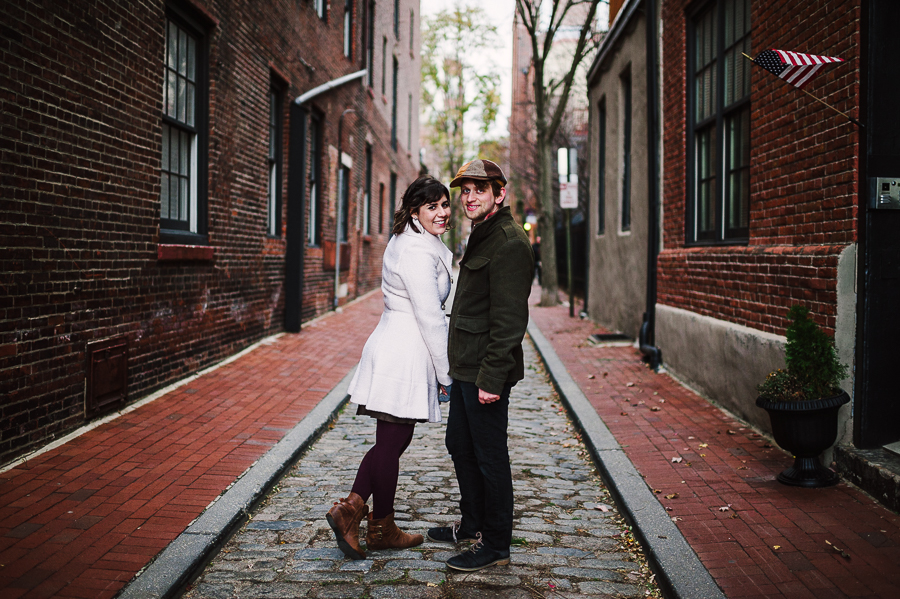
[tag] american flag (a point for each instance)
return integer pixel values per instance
(794, 67)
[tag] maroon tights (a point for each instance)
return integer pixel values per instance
(378, 472)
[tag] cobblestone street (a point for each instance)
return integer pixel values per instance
(567, 536)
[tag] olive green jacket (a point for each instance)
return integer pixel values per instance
(490, 308)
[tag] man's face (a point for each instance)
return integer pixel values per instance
(478, 199)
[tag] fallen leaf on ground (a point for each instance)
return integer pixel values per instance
(629, 384)
(676, 460)
(725, 508)
(690, 437)
(661, 400)
(676, 518)
(731, 432)
(605, 374)
(590, 376)
(776, 546)
(602, 508)
(843, 553)
(655, 409)
(657, 491)
(703, 445)
(702, 455)
(672, 496)
(624, 413)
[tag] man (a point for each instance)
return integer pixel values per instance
(487, 324)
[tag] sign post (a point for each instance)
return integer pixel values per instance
(568, 199)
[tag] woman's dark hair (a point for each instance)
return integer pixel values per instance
(424, 190)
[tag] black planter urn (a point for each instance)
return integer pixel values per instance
(806, 429)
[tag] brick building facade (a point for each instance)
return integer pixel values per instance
(165, 200)
(756, 200)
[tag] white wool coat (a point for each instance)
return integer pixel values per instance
(405, 357)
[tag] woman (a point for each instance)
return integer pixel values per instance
(403, 364)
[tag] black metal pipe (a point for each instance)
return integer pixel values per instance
(648, 328)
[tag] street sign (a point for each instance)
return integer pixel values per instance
(568, 195)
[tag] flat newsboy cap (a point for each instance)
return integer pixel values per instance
(479, 169)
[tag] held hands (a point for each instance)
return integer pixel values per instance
(486, 398)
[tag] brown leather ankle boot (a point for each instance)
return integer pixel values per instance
(344, 519)
(384, 534)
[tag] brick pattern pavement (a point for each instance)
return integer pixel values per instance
(772, 541)
(81, 520)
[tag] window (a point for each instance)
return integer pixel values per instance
(719, 124)
(412, 29)
(348, 28)
(315, 188)
(394, 73)
(601, 167)
(367, 208)
(392, 198)
(320, 8)
(397, 19)
(625, 80)
(384, 67)
(370, 44)
(409, 125)
(381, 207)
(183, 152)
(275, 160)
(344, 197)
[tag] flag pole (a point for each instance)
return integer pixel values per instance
(850, 118)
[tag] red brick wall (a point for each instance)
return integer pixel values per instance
(803, 174)
(80, 140)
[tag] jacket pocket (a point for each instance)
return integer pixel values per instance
(474, 277)
(471, 334)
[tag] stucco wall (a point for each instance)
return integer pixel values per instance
(618, 273)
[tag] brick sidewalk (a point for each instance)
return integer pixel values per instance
(773, 541)
(82, 519)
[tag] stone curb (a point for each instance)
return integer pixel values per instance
(191, 550)
(678, 570)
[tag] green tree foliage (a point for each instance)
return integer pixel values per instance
(813, 369)
(459, 88)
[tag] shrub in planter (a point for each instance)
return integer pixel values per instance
(803, 400)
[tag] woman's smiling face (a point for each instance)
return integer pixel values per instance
(434, 216)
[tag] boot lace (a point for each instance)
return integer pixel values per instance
(477, 545)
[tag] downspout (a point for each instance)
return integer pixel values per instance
(296, 226)
(307, 96)
(648, 328)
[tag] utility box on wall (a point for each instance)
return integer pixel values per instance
(107, 375)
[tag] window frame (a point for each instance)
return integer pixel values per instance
(601, 177)
(275, 160)
(720, 172)
(370, 43)
(313, 168)
(395, 71)
(192, 230)
(348, 29)
(321, 9)
(627, 108)
(367, 206)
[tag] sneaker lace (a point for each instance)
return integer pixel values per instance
(453, 530)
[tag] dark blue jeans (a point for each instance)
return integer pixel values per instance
(477, 442)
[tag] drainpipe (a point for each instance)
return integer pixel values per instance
(307, 96)
(648, 328)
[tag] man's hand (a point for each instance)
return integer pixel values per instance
(486, 398)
